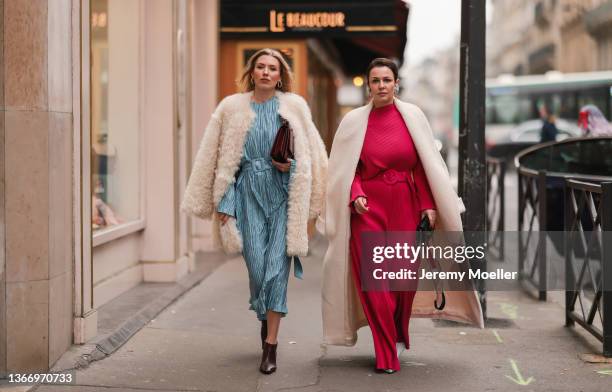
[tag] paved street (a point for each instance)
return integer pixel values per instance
(208, 341)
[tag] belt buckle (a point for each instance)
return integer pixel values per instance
(259, 164)
(390, 176)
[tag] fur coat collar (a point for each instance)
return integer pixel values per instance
(218, 160)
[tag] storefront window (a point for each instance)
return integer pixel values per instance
(115, 124)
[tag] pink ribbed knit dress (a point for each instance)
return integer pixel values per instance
(392, 178)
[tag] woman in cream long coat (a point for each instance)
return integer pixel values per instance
(343, 314)
(259, 206)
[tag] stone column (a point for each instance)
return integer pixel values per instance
(2, 218)
(36, 209)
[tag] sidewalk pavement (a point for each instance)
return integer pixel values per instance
(208, 341)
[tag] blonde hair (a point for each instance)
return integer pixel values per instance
(246, 81)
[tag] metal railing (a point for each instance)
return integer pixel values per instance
(496, 206)
(534, 222)
(588, 259)
(532, 219)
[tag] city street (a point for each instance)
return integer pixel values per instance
(127, 125)
(209, 341)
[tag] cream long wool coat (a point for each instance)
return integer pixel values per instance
(218, 160)
(342, 309)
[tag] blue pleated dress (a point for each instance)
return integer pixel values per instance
(258, 200)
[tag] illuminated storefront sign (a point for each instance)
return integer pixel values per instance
(281, 20)
(255, 18)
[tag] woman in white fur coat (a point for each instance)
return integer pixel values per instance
(259, 206)
(385, 175)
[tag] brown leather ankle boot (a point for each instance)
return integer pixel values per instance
(268, 358)
(264, 332)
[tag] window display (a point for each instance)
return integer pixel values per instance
(115, 124)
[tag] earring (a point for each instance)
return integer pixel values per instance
(279, 84)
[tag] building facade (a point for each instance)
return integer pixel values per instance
(104, 102)
(533, 37)
(505, 45)
(433, 85)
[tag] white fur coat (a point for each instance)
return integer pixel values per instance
(218, 160)
(342, 310)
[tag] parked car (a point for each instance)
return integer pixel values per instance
(506, 143)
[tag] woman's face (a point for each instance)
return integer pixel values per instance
(382, 85)
(266, 72)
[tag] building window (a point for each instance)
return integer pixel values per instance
(115, 113)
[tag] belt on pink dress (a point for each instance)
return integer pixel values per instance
(392, 176)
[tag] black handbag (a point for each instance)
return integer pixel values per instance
(424, 232)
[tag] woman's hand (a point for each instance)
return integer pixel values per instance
(361, 205)
(284, 167)
(223, 217)
(431, 215)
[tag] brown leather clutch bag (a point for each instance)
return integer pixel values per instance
(282, 148)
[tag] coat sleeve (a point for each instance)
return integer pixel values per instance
(227, 205)
(318, 154)
(198, 197)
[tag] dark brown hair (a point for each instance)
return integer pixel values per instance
(246, 82)
(382, 62)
